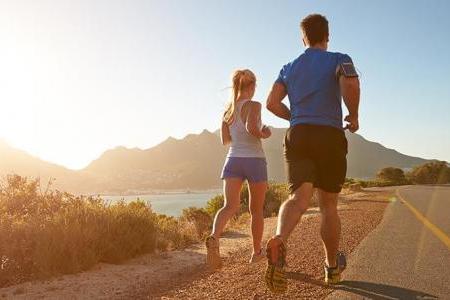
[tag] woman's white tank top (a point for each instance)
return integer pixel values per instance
(243, 144)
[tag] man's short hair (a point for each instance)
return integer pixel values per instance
(315, 28)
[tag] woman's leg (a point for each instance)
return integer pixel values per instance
(232, 191)
(257, 196)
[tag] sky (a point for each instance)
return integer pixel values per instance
(80, 77)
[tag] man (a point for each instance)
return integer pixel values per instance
(315, 146)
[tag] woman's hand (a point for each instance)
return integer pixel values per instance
(265, 132)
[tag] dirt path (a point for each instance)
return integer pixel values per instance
(238, 280)
(182, 274)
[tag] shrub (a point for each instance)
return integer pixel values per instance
(430, 173)
(171, 233)
(55, 232)
(132, 228)
(199, 219)
(276, 194)
(393, 176)
(214, 204)
(237, 223)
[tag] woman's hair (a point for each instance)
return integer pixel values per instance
(241, 80)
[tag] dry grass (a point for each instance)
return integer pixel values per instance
(48, 233)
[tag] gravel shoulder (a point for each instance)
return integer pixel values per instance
(183, 275)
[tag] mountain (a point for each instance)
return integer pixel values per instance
(195, 162)
(14, 161)
(190, 163)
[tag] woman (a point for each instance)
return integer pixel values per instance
(242, 128)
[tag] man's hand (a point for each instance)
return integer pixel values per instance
(353, 123)
(265, 132)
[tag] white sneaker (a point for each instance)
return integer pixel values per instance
(257, 257)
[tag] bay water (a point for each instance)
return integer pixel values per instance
(171, 204)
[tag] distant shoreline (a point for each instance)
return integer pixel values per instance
(159, 192)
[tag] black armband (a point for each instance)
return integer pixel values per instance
(347, 69)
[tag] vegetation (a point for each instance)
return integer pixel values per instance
(431, 173)
(437, 172)
(393, 176)
(51, 232)
(172, 235)
(275, 195)
(198, 220)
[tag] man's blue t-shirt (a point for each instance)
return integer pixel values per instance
(313, 87)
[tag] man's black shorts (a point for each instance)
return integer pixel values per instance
(315, 154)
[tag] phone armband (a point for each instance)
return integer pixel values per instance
(347, 69)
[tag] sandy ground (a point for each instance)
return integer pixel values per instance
(182, 274)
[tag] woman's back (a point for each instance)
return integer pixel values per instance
(243, 144)
(241, 127)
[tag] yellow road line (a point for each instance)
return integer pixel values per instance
(434, 229)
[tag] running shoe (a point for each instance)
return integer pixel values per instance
(333, 275)
(275, 276)
(213, 259)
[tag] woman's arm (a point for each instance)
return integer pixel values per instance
(253, 121)
(225, 135)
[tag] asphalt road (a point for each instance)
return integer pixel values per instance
(408, 255)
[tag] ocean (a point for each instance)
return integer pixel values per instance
(171, 204)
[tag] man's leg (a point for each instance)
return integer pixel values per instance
(290, 213)
(330, 228)
(300, 169)
(292, 210)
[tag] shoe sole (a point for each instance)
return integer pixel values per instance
(342, 263)
(213, 259)
(275, 276)
(335, 280)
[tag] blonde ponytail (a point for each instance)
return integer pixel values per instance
(241, 79)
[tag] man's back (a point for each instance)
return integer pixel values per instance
(313, 87)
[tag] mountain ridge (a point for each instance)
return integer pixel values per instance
(192, 162)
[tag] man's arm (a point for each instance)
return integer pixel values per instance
(274, 103)
(350, 93)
